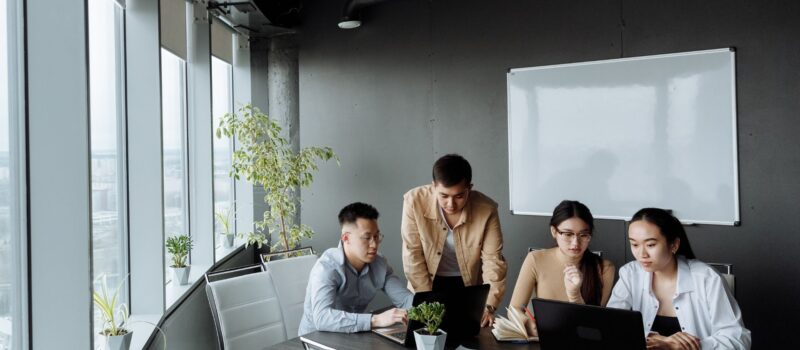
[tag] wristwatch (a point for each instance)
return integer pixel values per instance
(490, 309)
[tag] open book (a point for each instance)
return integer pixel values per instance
(513, 327)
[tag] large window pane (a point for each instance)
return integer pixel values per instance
(107, 115)
(223, 184)
(173, 102)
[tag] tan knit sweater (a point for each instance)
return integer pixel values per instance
(542, 276)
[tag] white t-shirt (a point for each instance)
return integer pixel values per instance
(448, 266)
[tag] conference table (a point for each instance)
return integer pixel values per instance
(369, 340)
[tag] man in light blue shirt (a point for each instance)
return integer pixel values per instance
(346, 278)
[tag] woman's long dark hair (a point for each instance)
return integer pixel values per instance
(670, 227)
(590, 264)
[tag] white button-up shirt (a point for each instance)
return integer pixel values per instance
(704, 305)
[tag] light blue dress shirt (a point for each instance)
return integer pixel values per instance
(704, 305)
(337, 295)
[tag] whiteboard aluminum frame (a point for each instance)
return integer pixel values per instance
(734, 128)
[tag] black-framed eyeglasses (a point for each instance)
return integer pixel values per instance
(569, 236)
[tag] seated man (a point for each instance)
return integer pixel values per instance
(345, 279)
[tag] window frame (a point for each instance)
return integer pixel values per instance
(18, 191)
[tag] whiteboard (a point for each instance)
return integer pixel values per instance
(623, 134)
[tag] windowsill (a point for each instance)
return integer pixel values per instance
(220, 252)
(142, 327)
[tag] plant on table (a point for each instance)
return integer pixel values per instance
(429, 314)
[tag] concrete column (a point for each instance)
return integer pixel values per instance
(284, 93)
(283, 87)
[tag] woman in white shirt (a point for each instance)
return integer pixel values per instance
(685, 304)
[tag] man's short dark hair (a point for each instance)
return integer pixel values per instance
(451, 170)
(353, 211)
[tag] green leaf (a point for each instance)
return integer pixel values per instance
(430, 314)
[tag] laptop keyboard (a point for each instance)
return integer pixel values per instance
(398, 335)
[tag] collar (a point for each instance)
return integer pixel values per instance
(685, 281)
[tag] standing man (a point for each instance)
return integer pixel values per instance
(451, 235)
(346, 278)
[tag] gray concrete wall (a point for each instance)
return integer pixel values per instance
(423, 78)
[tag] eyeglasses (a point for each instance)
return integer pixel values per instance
(377, 238)
(569, 236)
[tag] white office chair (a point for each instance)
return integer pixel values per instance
(290, 277)
(726, 270)
(245, 309)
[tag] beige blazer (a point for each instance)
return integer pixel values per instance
(477, 236)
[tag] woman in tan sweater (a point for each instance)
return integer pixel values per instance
(567, 272)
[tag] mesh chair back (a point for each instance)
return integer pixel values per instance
(247, 312)
(291, 279)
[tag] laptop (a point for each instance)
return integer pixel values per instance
(462, 316)
(574, 326)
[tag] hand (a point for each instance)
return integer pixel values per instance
(573, 279)
(488, 319)
(389, 317)
(530, 326)
(677, 341)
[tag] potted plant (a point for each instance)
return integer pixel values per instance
(179, 247)
(224, 220)
(116, 335)
(114, 315)
(429, 337)
(266, 158)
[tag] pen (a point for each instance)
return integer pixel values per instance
(529, 314)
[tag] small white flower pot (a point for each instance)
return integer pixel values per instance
(430, 342)
(117, 342)
(227, 242)
(181, 275)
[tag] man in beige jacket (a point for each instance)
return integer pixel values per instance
(451, 235)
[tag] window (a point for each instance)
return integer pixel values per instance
(221, 91)
(12, 235)
(106, 107)
(173, 104)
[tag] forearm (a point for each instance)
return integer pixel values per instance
(494, 273)
(332, 320)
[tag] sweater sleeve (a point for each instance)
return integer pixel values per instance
(526, 283)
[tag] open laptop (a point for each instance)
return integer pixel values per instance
(574, 326)
(462, 315)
